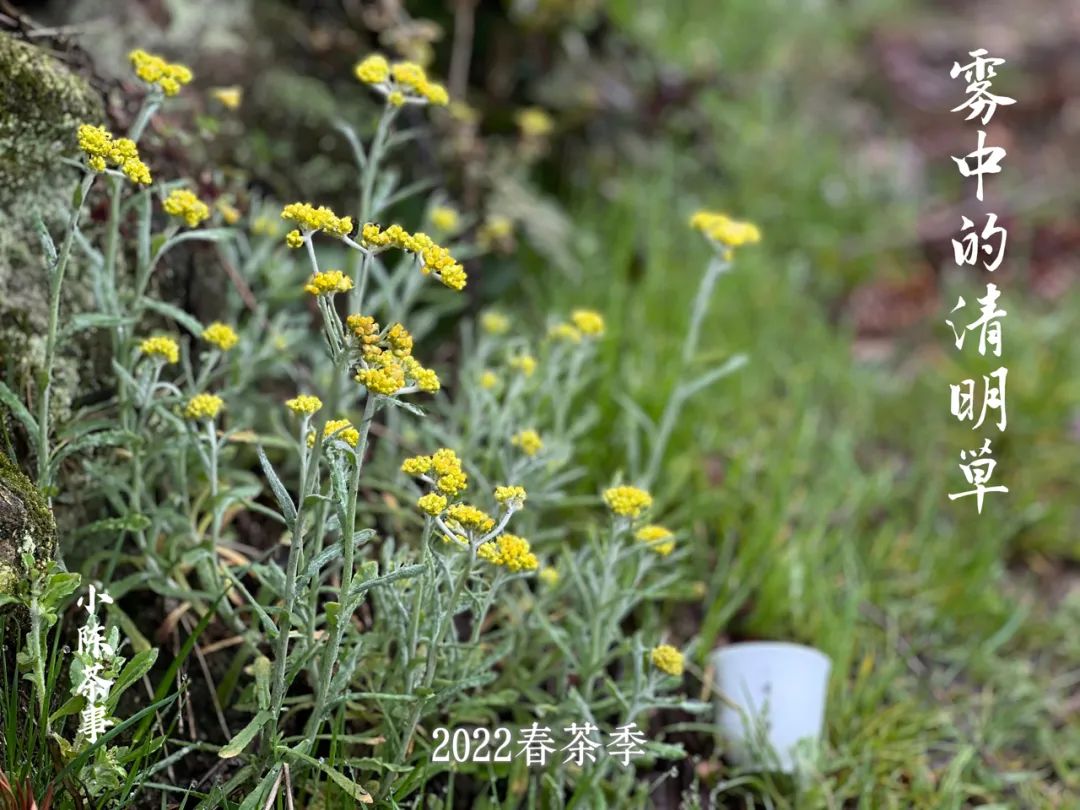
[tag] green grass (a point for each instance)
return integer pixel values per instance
(817, 483)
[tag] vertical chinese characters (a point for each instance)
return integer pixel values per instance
(970, 400)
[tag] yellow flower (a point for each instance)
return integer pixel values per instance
(528, 441)
(228, 97)
(309, 218)
(169, 76)
(564, 331)
(667, 659)
(471, 518)
(514, 497)
(589, 322)
(443, 465)
(221, 335)
(660, 540)
(723, 229)
(498, 226)
(416, 465)
(433, 257)
(494, 322)
(164, 347)
(229, 213)
(509, 551)
(303, 404)
(203, 406)
(525, 363)
(549, 576)
(627, 501)
(534, 122)
(294, 239)
(373, 69)
(100, 149)
(433, 503)
(329, 282)
(264, 225)
(339, 429)
(445, 218)
(184, 204)
(400, 82)
(449, 477)
(489, 379)
(386, 376)
(363, 327)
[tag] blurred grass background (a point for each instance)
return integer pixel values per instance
(821, 470)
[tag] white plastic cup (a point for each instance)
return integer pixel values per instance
(771, 702)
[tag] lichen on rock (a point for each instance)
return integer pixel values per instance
(42, 102)
(26, 525)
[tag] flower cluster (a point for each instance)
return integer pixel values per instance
(534, 122)
(667, 659)
(469, 518)
(442, 468)
(169, 76)
(660, 540)
(162, 347)
(510, 551)
(386, 361)
(101, 149)
(588, 322)
(511, 497)
(584, 323)
(309, 219)
(528, 441)
(445, 218)
(203, 406)
(303, 404)
(720, 228)
(525, 363)
(341, 429)
(329, 282)
(627, 501)
(229, 97)
(184, 204)
(494, 322)
(401, 82)
(433, 257)
(221, 335)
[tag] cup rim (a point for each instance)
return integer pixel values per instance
(770, 646)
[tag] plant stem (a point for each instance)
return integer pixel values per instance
(676, 401)
(56, 284)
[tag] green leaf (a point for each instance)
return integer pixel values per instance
(328, 555)
(19, 411)
(284, 500)
(244, 737)
(92, 320)
(138, 666)
(255, 799)
(341, 780)
(262, 681)
(127, 523)
(74, 705)
(187, 321)
(48, 247)
(145, 715)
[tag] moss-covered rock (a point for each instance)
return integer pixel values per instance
(26, 525)
(42, 103)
